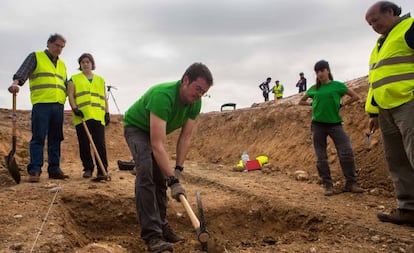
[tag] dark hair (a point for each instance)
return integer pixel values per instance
(90, 57)
(385, 6)
(55, 37)
(268, 79)
(197, 70)
(321, 65)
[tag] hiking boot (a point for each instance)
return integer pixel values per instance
(158, 245)
(328, 191)
(34, 177)
(100, 177)
(134, 171)
(170, 236)
(354, 188)
(398, 216)
(87, 174)
(58, 175)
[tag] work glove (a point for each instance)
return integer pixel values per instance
(78, 112)
(177, 171)
(107, 118)
(176, 190)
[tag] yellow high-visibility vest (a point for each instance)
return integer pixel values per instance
(391, 75)
(278, 90)
(47, 82)
(89, 98)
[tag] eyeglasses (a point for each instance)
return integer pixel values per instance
(199, 90)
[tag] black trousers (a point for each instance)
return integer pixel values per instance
(97, 131)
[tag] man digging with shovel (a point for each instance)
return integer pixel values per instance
(161, 110)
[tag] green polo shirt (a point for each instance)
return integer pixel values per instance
(162, 100)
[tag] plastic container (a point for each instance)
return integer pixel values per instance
(245, 158)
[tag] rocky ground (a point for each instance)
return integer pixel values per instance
(280, 208)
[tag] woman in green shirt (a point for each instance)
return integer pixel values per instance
(326, 96)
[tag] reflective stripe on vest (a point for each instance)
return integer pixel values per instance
(391, 75)
(89, 98)
(47, 82)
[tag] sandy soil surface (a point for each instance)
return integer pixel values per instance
(275, 209)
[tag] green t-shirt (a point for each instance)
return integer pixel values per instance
(162, 100)
(326, 101)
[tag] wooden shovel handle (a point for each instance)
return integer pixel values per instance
(98, 157)
(14, 115)
(194, 220)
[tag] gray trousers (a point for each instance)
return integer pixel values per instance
(320, 133)
(150, 186)
(397, 128)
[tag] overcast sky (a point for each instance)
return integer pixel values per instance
(139, 43)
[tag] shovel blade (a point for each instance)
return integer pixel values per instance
(12, 167)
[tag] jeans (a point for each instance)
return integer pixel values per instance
(397, 129)
(150, 186)
(47, 120)
(320, 132)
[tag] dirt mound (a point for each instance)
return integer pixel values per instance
(268, 210)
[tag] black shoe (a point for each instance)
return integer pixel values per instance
(157, 245)
(101, 178)
(398, 216)
(87, 174)
(328, 190)
(58, 175)
(170, 236)
(354, 188)
(34, 177)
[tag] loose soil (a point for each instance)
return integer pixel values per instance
(280, 208)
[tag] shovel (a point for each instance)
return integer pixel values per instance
(10, 161)
(98, 157)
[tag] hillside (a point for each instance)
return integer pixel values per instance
(268, 210)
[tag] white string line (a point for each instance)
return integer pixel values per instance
(44, 220)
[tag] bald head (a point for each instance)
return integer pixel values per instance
(383, 16)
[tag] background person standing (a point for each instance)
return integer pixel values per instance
(326, 97)
(265, 88)
(301, 84)
(278, 90)
(47, 78)
(390, 101)
(87, 97)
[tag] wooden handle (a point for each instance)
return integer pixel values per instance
(98, 157)
(14, 115)
(187, 207)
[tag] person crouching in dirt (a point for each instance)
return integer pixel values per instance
(326, 97)
(161, 110)
(87, 98)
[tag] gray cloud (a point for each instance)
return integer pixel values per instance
(139, 43)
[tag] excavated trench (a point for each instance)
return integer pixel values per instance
(237, 219)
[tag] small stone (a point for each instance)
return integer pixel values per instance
(17, 247)
(18, 216)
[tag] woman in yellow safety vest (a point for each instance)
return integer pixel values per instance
(87, 97)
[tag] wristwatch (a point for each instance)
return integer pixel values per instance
(178, 167)
(172, 180)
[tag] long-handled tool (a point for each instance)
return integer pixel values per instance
(10, 161)
(368, 137)
(98, 157)
(198, 223)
